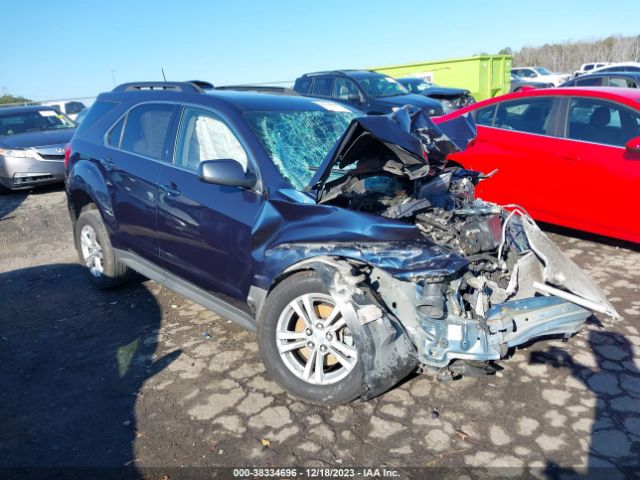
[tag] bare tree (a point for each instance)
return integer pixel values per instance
(569, 55)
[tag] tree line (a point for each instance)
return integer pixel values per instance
(569, 55)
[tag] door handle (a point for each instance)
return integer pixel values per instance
(171, 189)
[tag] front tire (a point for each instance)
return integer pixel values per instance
(305, 343)
(96, 253)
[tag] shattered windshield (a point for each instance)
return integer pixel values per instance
(298, 142)
(381, 86)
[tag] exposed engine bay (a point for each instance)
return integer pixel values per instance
(515, 284)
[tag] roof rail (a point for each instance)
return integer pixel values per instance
(276, 90)
(343, 71)
(158, 86)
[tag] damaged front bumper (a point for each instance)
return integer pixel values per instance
(400, 320)
(507, 325)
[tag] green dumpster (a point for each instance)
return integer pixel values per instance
(485, 76)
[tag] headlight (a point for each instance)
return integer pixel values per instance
(18, 153)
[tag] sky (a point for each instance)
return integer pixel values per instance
(51, 49)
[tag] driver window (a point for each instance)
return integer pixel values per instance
(345, 88)
(204, 136)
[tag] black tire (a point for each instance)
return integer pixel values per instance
(114, 273)
(342, 391)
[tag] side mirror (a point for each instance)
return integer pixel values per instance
(354, 97)
(633, 145)
(226, 172)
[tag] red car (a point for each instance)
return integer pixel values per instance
(569, 156)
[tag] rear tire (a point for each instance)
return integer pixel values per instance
(96, 253)
(324, 368)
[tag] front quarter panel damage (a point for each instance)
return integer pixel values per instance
(384, 347)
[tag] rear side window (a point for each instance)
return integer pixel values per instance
(589, 82)
(532, 115)
(98, 110)
(484, 116)
(621, 82)
(145, 130)
(323, 86)
(601, 122)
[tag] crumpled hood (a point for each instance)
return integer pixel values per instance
(417, 146)
(36, 139)
(444, 91)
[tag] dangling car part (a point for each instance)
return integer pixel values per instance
(485, 279)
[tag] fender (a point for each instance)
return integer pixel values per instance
(383, 345)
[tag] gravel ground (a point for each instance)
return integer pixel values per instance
(143, 378)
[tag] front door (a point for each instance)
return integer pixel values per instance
(599, 176)
(204, 229)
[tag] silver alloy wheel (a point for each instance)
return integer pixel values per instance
(314, 341)
(91, 250)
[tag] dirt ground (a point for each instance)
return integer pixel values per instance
(144, 379)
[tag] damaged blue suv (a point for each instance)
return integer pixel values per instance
(346, 242)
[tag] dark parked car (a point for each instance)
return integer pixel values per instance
(517, 84)
(32, 142)
(450, 98)
(370, 92)
(344, 241)
(608, 79)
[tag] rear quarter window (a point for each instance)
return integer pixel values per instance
(97, 111)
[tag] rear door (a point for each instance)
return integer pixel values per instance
(600, 176)
(138, 146)
(204, 229)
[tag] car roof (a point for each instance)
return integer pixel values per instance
(347, 73)
(24, 109)
(241, 101)
(619, 73)
(265, 101)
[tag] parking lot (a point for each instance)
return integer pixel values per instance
(141, 377)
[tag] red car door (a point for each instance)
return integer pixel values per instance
(601, 177)
(516, 137)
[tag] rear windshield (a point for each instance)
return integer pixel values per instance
(34, 121)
